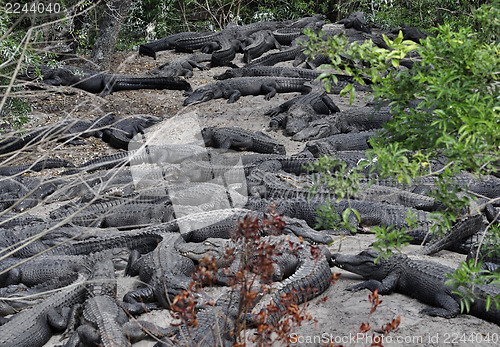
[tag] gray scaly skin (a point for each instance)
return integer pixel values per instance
(423, 280)
(215, 325)
(37, 166)
(356, 20)
(104, 83)
(164, 270)
(241, 139)
(296, 114)
(262, 70)
(120, 213)
(275, 58)
(155, 154)
(228, 47)
(340, 142)
(66, 130)
(354, 119)
(34, 327)
(262, 42)
(119, 134)
(233, 88)
(102, 317)
(182, 66)
(312, 276)
(149, 49)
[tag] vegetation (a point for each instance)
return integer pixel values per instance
(420, 13)
(455, 81)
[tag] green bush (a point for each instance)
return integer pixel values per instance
(456, 80)
(419, 13)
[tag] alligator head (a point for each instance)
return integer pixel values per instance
(200, 95)
(213, 247)
(362, 264)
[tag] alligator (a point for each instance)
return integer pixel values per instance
(66, 130)
(262, 41)
(263, 70)
(40, 269)
(103, 83)
(149, 49)
(354, 119)
(278, 185)
(411, 33)
(233, 88)
(33, 327)
(275, 58)
(190, 43)
(215, 325)
(183, 66)
(36, 166)
(356, 20)
(370, 213)
(20, 193)
(102, 317)
(164, 270)
(152, 154)
(15, 298)
(119, 213)
(119, 134)
(238, 138)
(340, 142)
(486, 186)
(295, 114)
(462, 229)
(423, 280)
(228, 46)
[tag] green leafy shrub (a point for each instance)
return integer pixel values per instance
(455, 80)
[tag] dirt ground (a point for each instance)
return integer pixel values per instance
(338, 313)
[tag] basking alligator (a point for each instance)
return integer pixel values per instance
(423, 280)
(119, 134)
(241, 139)
(66, 130)
(102, 317)
(356, 20)
(215, 325)
(102, 83)
(354, 119)
(340, 142)
(169, 42)
(33, 327)
(263, 70)
(233, 88)
(262, 41)
(165, 271)
(37, 166)
(295, 114)
(182, 66)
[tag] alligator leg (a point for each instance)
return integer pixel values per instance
(269, 89)
(386, 286)
(449, 307)
(234, 96)
(139, 301)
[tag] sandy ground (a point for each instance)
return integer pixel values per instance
(338, 313)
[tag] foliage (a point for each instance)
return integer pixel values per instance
(357, 59)
(464, 280)
(390, 239)
(420, 13)
(445, 106)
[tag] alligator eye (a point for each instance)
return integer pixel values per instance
(207, 243)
